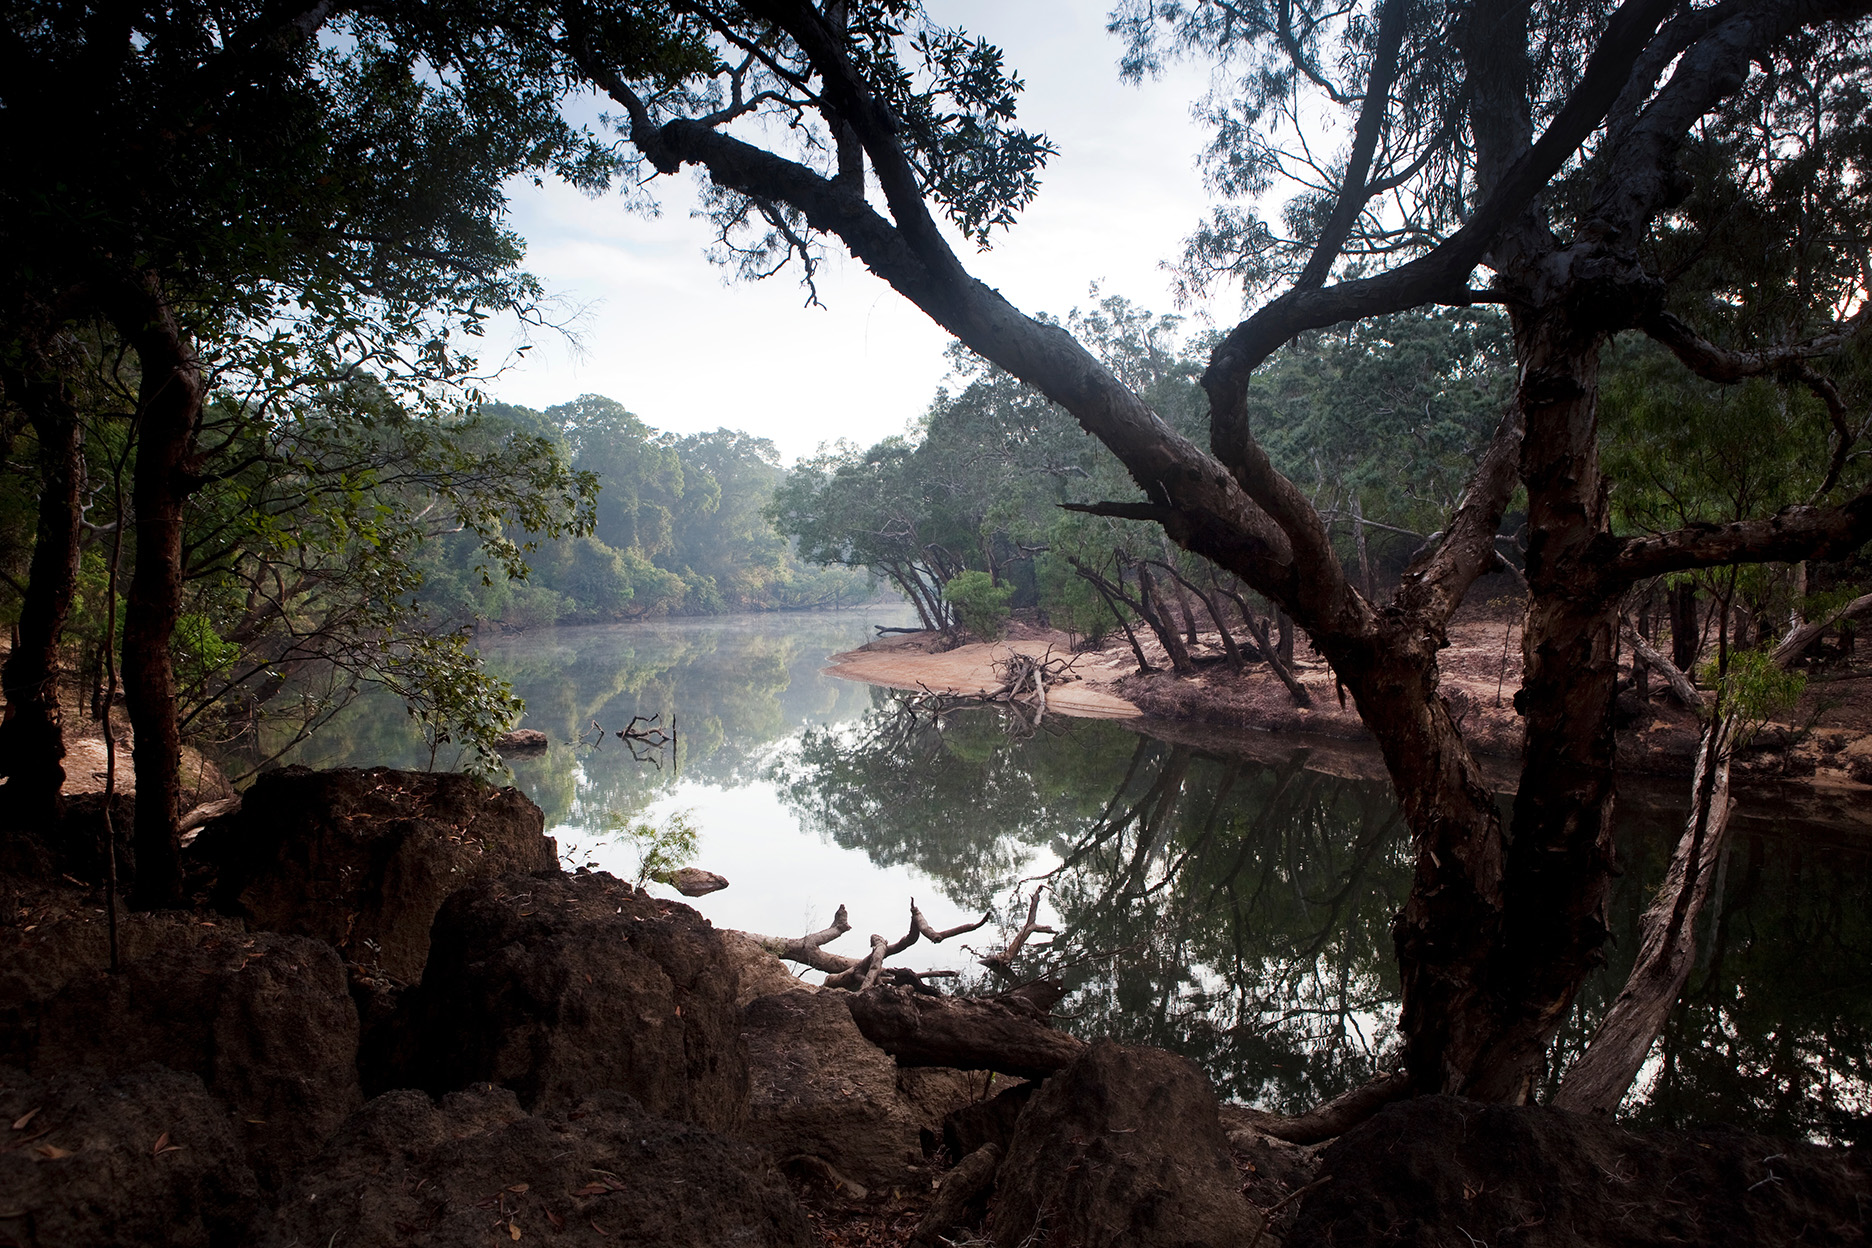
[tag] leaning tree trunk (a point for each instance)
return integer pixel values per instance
(1597, 1082)
(169, 409)
(1156, 612)
(32, 740)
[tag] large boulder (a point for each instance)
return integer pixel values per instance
(362, 860)
(477, 1170)
(1433, 1170)
(822, 1093)
(144, 1157)
(1122, 1149)
(263, 1019)
(558, 986)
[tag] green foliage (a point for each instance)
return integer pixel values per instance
(1391, 411)
(1752, 689)
(679, 525)
(662, 849)
(981, 605)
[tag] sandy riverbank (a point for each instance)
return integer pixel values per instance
(1826, 742)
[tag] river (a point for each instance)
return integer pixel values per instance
(1228, 897)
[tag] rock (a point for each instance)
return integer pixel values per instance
(761, 973)
(1528, 1176)
(695, 882)
(961, 1199)
(363, 859)
(821, 1090)
(1122, 1148)
(264, 1020)
(521, 741)
(558, 986)
(144, 1157)
(990, 1121)
(932, 1093)
(477, 1171)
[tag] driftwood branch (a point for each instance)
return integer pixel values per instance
(869, 970)
(1002, 963)
(1679, 683)
(1796, 642)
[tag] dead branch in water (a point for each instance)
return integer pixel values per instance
(1002, 963)
(865, 972)
(897, 1010)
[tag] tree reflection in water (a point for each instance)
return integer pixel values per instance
(1236, 907)
(1229, 899)
(1233, 910)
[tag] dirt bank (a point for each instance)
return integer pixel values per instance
(1825, 742)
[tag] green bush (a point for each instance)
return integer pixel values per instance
(979, 603)
(663, 850)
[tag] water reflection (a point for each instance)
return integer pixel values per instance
(1230, 900)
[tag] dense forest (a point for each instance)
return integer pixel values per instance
(330, 556)
(680, 527)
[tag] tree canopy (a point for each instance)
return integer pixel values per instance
(1555, 162)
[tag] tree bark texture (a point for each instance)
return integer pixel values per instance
(966, 1033)
(1686, 640)
(32, 741)
(1598, 1080)
(169, 411)
(1559, 867)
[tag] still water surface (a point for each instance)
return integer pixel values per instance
(1229, 899)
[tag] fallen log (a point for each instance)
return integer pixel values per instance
(1323, 1122)
(965, 1033)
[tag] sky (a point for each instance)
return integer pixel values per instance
(658, 330)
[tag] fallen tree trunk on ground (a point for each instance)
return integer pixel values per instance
(1324, 1122)
(1005, 1034)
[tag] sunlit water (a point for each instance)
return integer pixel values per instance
(1228, 899)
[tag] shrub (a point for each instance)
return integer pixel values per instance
(979, 603)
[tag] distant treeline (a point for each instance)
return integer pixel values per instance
(997, 500)
(680, 529)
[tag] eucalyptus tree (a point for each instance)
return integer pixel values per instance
(1548, 149)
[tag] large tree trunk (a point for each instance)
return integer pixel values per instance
(32, 741)
(1451, 921)
(169, 411)
(1559, 865)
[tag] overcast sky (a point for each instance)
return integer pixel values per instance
(660, 332)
